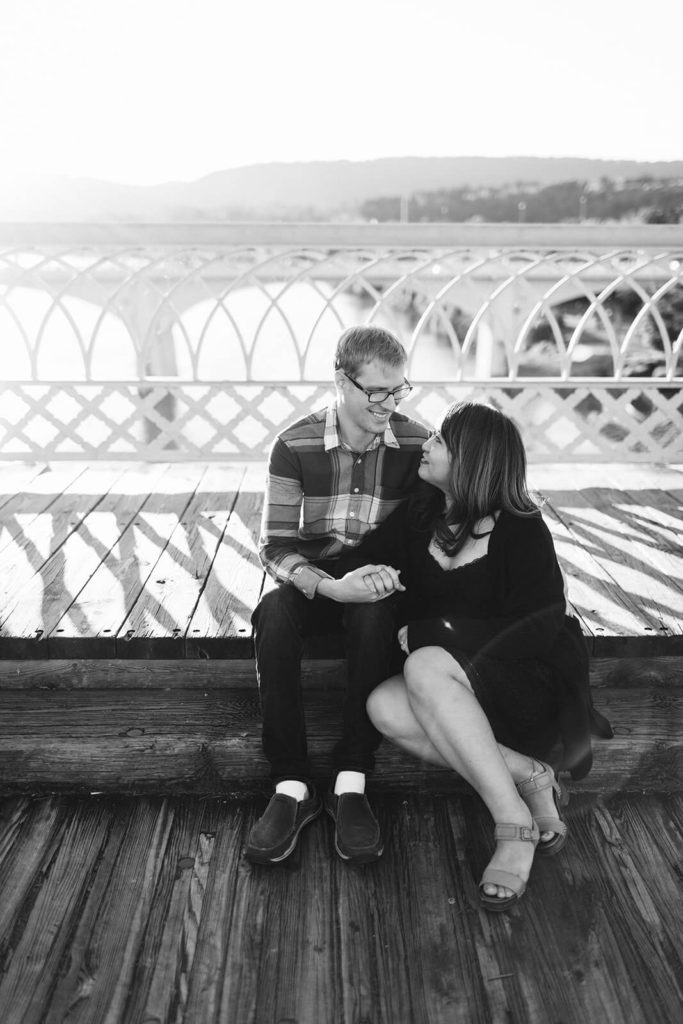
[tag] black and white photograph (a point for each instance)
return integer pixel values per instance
(341, 512)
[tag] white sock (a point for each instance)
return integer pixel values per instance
(292, 787)
(349, 782)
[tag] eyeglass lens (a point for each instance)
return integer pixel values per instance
(398, 393)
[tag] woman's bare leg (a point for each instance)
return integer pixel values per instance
(450, 715)
(392, 714)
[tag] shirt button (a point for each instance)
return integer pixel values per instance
(355, 490)
(352, 514)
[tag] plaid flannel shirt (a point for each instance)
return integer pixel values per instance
(322, 498)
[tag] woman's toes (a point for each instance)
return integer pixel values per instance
(499, 891)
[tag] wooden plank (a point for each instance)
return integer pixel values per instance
(23, 605)
(601, 608)
(655, 551)
(556, 475)
(599, 532)
(29, 972)
(652, 833)
(30, 828)
(658, 497)
(643, 673)
(240, 674)
(210, 742)
(405, 954)
(159, 673)
(152, 532)
(635, 564)
(215, 935)
(222, 620)
(15, 477)
(87, 592)
(131, 563)
(638, 977)
(175, 586)
(31, 500)
(106, 946)
(160, 986)
(288, 939)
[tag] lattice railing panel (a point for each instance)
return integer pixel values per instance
(156, 339)
(205, 421)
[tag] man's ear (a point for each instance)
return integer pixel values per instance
(339, 378)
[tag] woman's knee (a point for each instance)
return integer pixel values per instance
(382, 709)
(425, 668)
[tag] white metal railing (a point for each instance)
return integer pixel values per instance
(164, 341)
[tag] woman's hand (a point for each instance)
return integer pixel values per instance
(383, 580)
(403, 639)
(362, 586)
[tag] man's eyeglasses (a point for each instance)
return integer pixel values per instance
(398, 394)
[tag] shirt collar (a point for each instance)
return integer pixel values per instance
(333, 435)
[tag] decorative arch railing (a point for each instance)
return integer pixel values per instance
(162, 341)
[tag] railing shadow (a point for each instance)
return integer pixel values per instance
(174, 562)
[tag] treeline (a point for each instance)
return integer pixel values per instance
(652, 200)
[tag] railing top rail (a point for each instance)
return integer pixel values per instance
(596, 237)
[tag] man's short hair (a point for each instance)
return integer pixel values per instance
(362, 344)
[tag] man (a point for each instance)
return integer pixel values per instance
(332, 477)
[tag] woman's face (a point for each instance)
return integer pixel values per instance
(435, 465)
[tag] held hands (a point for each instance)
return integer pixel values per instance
(362, 586)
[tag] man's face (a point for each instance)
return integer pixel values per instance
(355, 406)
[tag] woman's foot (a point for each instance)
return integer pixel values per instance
(506, 875)
(543, 794)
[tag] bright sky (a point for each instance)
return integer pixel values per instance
(144, 91)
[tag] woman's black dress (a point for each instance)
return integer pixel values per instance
(503, 618)
(519, 695)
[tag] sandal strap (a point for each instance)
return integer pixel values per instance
(492, 876)
(548, 824)
(546, 779)
(520, 833)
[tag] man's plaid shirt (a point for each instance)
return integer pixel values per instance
(322, 498)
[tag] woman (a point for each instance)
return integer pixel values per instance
(496, 673)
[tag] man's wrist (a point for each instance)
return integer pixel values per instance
(306, 578)
(326, 587)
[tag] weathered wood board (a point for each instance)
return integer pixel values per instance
(131, 910)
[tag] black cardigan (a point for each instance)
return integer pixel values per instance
(529, 619)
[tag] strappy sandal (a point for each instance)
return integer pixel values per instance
(547, 779)
(493, 876)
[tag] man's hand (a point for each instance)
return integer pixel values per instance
(365, 585)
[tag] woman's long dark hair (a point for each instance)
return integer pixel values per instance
(488, 474)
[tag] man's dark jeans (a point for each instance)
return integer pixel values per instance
(281, 621)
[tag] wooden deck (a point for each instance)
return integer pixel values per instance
(131, 772)
(133, 911)
(159, 561)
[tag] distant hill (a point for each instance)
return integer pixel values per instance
(314, 190)
(647, 200)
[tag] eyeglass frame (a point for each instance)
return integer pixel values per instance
(381, 391)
